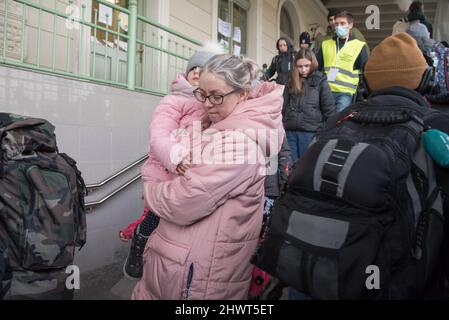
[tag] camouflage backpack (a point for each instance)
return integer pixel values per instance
(42, 216)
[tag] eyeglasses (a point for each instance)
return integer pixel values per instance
(213, 98)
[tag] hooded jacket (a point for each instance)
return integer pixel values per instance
(281, 64)
(399, 96)
(171, 129)
(212, 216)
(310, 110)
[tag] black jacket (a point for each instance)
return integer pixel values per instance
(310, 110)
(401, 96)
(281, 64)
(273, 182)
(394, 96)
(439, 102)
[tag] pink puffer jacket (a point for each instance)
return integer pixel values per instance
(170, 129)
(211, 217)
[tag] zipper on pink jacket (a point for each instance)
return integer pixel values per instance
(189, 282)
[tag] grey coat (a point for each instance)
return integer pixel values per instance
(310, 110)
(419, 32)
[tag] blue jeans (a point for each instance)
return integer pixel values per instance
(298, 142)
(342, 100)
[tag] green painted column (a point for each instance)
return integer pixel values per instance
(132, 45)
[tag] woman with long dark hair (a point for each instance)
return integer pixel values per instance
(308, 102)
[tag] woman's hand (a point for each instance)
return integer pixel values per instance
(183, 166)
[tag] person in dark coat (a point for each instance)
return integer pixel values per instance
(281, 64)
(304, 41)
(274, 182)
(403, 88)
(308, 102)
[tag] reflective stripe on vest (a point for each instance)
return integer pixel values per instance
(347, 78)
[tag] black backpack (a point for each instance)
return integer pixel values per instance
(361, 217)
(2, 273)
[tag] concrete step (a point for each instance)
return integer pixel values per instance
(104, 284)
(124, 288)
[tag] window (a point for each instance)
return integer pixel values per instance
(232, 25)
(116, 20)
(286, 24)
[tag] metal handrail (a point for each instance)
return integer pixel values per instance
(90, 205)
(117, 174)
(167, 49)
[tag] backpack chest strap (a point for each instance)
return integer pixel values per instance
(332, 168)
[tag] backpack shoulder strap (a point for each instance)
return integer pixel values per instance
(5, 120)
(81, 226)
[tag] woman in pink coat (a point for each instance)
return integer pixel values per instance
(170, 129)
(210, 217)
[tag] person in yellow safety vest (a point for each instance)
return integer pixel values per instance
(330, 32)
(342, 59)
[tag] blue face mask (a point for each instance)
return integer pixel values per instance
(341, 31)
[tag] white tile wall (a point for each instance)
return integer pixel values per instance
(96, 144)
(130, 138)
(66, 133)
